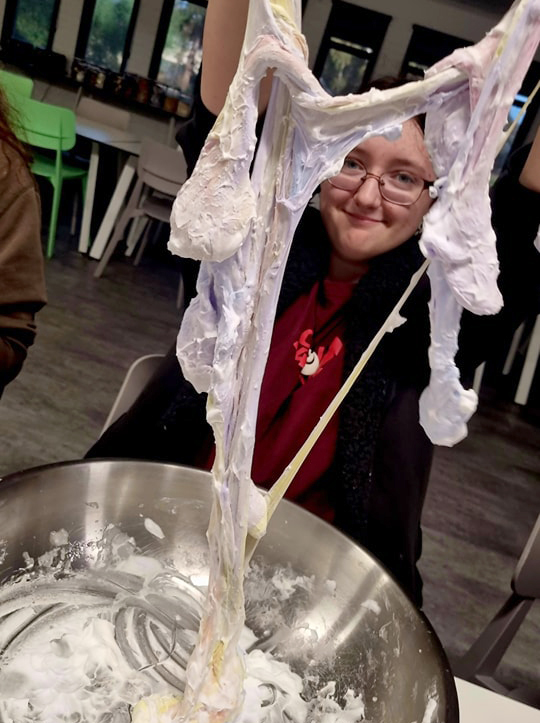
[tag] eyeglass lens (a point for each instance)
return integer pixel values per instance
(400, 187)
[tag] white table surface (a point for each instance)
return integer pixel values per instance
(141, 125)
(479, 705)
(108, 135)
(102, 134)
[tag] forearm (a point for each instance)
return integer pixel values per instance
(224, 30)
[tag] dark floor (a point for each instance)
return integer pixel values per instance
(483, 501)
(484, 494)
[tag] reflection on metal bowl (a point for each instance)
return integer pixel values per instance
(349, 623)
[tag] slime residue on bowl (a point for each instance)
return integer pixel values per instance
(108, 640)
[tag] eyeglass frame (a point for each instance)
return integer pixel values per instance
(430, 185)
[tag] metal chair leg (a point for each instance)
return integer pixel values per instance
(481, 660)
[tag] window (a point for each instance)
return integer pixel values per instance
(105, 33)
(349, 48)
(344, 67)
(426, 47)
(177, 55)
(31, 22)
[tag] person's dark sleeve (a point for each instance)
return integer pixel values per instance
(22, 282)
(191, 135)
(166, 423)
(403, 453)
(515, 219)
(401, 470)
(17, 333)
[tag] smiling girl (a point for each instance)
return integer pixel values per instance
(349, 264)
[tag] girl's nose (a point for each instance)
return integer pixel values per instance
(368, 193)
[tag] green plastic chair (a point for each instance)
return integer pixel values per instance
(50, 127)
(15, 85)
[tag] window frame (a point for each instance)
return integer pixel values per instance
(8, 25)
(427, 46)
(341, 33)
(162, 32)
(85, 25)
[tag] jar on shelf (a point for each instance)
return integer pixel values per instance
(143, 90)
(158, 95)
(78, 71)
(170, 102)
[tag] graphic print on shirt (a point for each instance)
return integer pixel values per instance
(312, 361)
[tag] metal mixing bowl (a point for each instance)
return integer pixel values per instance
(352, 624)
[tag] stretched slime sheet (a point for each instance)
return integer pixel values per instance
(240, 223)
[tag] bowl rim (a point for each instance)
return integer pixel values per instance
(452, 706)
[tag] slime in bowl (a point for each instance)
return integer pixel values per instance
(103, 566)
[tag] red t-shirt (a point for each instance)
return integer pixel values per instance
(297, 389)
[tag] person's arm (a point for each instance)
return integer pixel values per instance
(224, 29)
(17, 332)
(530, 175)
(22, 284)
(515, 216)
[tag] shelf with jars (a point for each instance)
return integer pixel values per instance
(130, 89)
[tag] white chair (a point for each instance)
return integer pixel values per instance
(479, 664)
(136, 377)
(161, 171)
(529, 365)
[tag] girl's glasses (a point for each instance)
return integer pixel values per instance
(400, 187)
